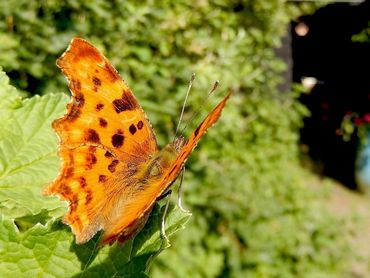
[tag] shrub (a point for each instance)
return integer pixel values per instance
(252, 214)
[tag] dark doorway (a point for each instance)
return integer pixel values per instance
(342, 68)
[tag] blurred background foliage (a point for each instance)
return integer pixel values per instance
(252, 213)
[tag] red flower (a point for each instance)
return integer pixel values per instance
(366, 118)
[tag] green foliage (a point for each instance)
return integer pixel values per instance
(49, 250)
(363, 36)
(33, 242)
(252, 215)
(28, 157)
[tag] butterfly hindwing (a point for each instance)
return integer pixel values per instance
(83, 183)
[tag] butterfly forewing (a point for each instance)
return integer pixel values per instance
(173, 172)
(104, 110)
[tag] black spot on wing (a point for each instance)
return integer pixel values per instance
(112, 166)
(96, 81)
(65, 190)
(117, 139)
(102, 178)
(74, 113)
(132, 129)
(99, 106)
(140, 125)
(91, 158)
(103, 122)
(196, 132)
(82, 182)
(79, 100)
(122, 104)
(75, 85)
(92, 136)
(68, 172)
(89, 197)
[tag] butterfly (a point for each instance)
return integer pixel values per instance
(112, 170)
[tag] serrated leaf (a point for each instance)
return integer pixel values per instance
(49, 250)
(8, 94)
(28, 158)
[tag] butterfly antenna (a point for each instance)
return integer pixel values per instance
(163, 227)
(214, 88)
(183, 106)
(196, 114)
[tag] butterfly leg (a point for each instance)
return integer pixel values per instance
(163, 232)
(179, 192)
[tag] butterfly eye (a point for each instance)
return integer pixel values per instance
(155, 170)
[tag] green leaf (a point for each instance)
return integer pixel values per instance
(49, 250)
(28, 158)
(8, 94)
(33, 242)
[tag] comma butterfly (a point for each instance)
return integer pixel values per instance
(112, 171)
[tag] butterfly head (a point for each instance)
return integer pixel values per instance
(178, 143)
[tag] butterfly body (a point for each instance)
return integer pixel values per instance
(147, 178)
(112, 170)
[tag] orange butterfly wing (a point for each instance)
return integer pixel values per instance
(104, 111)
(173, 172)
(139, 206)
(105, 132)
(108, 150)
(192, 142)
